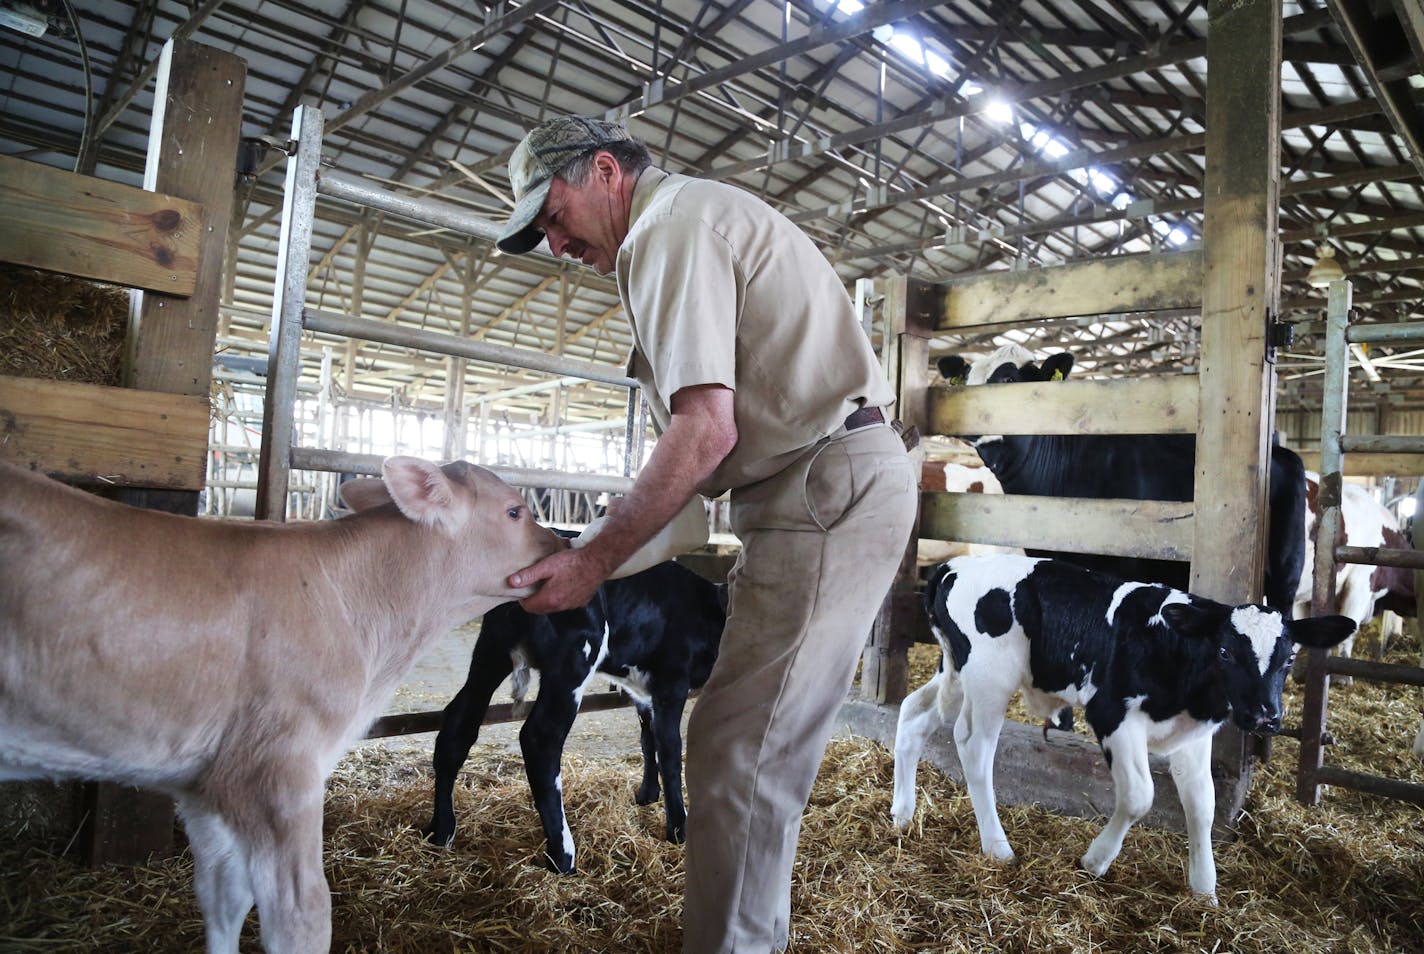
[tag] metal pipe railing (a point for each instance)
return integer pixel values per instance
(316, 458)
(438, 342)
(428, 211)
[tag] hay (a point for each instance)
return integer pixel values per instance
(1344, 877)
(61, 328)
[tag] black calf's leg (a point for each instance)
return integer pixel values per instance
(667, 730)
(648, 791)
(489, 665)
(541, 739)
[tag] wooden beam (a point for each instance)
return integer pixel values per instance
(1157, 405)
(107, 231)
(1371, 465)
(1239, 296)
(1239, 293)
(1379, 36)
(1155, 529)
(192, 153)
(1096, 287)
(90, 434)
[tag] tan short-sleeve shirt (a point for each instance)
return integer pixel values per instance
(722, 289)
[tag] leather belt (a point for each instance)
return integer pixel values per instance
(864, 418)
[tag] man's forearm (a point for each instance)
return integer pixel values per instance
(688, 452)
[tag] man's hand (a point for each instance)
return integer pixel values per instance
(570, 578)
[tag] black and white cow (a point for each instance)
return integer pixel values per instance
(1154, 670)
(655, 634)
(1129, 467)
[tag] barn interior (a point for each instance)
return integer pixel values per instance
(931, 140)
(986, 155)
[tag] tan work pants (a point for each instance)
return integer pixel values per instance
(821, 541)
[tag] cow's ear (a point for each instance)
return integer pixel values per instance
(1005, 373)
(421, 490)
(1320, 632)
(363, 493)
(1056, 368)
(1191, 620)
(953, 368)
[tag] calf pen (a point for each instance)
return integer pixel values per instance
(1052, 772)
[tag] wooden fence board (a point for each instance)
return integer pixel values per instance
(1103, 286)
(90, 434)
(1160, 530)
(97, 229)
(1134, 406)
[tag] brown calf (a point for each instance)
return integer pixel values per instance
(231, 664)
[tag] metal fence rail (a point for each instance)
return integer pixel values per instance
(290, 317)
(1334, 444)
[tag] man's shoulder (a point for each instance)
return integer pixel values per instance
(688, 200)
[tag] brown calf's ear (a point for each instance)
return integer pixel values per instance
(363, 493)
(421, 490)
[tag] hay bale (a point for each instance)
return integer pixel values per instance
(61, 328)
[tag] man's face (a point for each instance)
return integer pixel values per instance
(590, 220)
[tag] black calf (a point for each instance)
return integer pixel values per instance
(655, 634)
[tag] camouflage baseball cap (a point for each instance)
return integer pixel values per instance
(545, 150)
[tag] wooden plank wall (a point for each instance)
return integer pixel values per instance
(88, 434)
(150, 438)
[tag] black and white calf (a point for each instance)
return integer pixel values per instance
(1154, 670)
(655, 634)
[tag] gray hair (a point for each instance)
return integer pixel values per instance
(632, 156)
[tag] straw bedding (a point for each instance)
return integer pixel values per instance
(60, 328)
(1345, 877)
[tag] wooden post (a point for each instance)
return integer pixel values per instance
(1239, 296)
(910, 308)
(192, 154)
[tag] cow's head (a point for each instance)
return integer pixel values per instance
(480, 522)
(1006, 365)
(1009, 364)
(1253, 647)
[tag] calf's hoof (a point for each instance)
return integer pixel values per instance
(434, 834)
(560, 865)
(677, 833)
(902, 815)
(647, 794)
(1000, 852)
(1093, 865)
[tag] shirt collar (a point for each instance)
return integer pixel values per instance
(648, 181)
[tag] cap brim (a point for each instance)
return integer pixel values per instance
(520, 235)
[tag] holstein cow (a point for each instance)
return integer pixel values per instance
(655, 634)
(230, 664)
(1155, 670)
(1131, 467)
(1359, 588)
